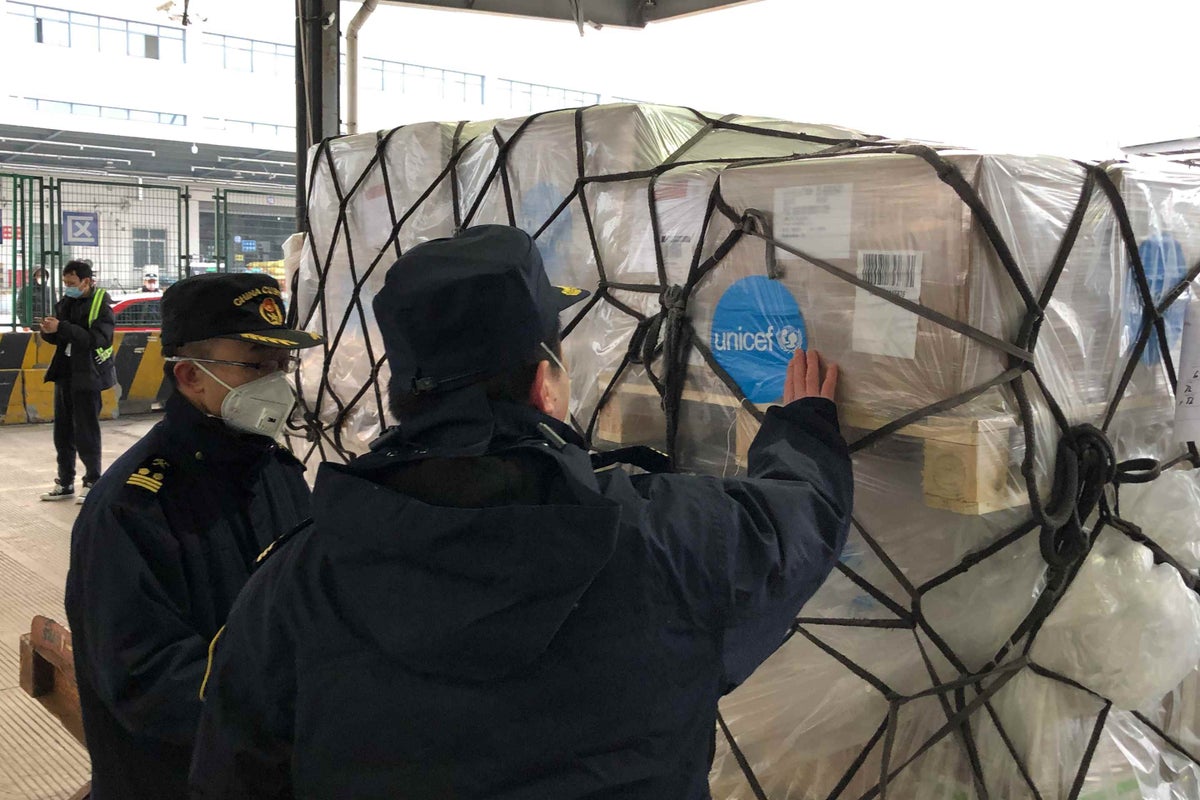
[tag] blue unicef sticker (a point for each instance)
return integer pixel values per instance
(1162, 258)
(755, 329)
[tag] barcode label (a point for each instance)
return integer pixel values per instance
(890, 270)
(880, 326)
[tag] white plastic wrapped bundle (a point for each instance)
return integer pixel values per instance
(1168, 511)
(1126, 629)
(983, 307)
(396, 190)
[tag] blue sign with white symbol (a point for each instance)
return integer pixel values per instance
(1162, 258)
(237, 239)
(249, 245)
(81, 228)
(755, 329)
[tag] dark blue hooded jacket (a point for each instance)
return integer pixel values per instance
(516, 625)
(159, 552)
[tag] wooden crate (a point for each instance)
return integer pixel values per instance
(966, 461)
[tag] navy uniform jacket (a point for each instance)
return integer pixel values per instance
(161, 548)
(517, 625)
(80, 370)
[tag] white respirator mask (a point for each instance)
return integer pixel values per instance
(261, 407)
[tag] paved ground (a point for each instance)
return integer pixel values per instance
(39, 760)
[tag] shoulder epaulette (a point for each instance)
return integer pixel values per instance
(150, 475)
(279, 542)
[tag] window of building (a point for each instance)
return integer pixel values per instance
(114, 38)
(104, 112)
(414, 79)
(52, 31)
(149, 247)
(522, 96)
(247, 126)
(85, 32)
(53, 106)
(251, 55)
(80, 31)
(24, 21)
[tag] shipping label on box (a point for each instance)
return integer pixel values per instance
(881, 327)
(815, 219)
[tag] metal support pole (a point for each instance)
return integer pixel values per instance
(187, 233)
(220, 252)
(360, 19)
(318, 84)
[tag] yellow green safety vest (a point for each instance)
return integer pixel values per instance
(102, 353)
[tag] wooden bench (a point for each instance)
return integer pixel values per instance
(48, 676)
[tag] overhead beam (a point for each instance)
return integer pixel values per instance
(620, 13)
(1170, 147)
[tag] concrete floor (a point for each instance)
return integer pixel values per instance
(39, 760)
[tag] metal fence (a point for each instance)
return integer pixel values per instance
(250, 230)
(24, 251)
(125, 230)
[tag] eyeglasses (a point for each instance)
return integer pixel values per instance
(286, 364)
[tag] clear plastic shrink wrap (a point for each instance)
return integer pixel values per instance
(986, 309)
(1126, 628)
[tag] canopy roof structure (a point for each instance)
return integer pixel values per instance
(624, 13)
(319, 46)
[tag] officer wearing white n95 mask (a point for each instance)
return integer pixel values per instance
(172, 530)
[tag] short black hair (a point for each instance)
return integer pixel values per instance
(511, 386)
(193, 349)
(79, 267)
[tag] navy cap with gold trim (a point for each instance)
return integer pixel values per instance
(455, 311)
(247, 306)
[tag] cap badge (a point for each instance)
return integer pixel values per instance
(271, 311)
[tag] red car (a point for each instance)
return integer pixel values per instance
(138, 311)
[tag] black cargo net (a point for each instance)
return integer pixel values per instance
(1083, 499)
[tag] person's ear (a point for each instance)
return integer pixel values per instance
(543, 394)
(187, 377)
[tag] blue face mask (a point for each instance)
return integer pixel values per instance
(73, 292)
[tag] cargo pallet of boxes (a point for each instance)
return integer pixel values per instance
(1014, 614)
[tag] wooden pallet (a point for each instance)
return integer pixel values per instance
(966, 461)
(48, 676)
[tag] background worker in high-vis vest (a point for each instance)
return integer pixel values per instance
(82, 332)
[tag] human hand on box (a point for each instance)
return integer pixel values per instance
(49, 325)
(804, 377)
